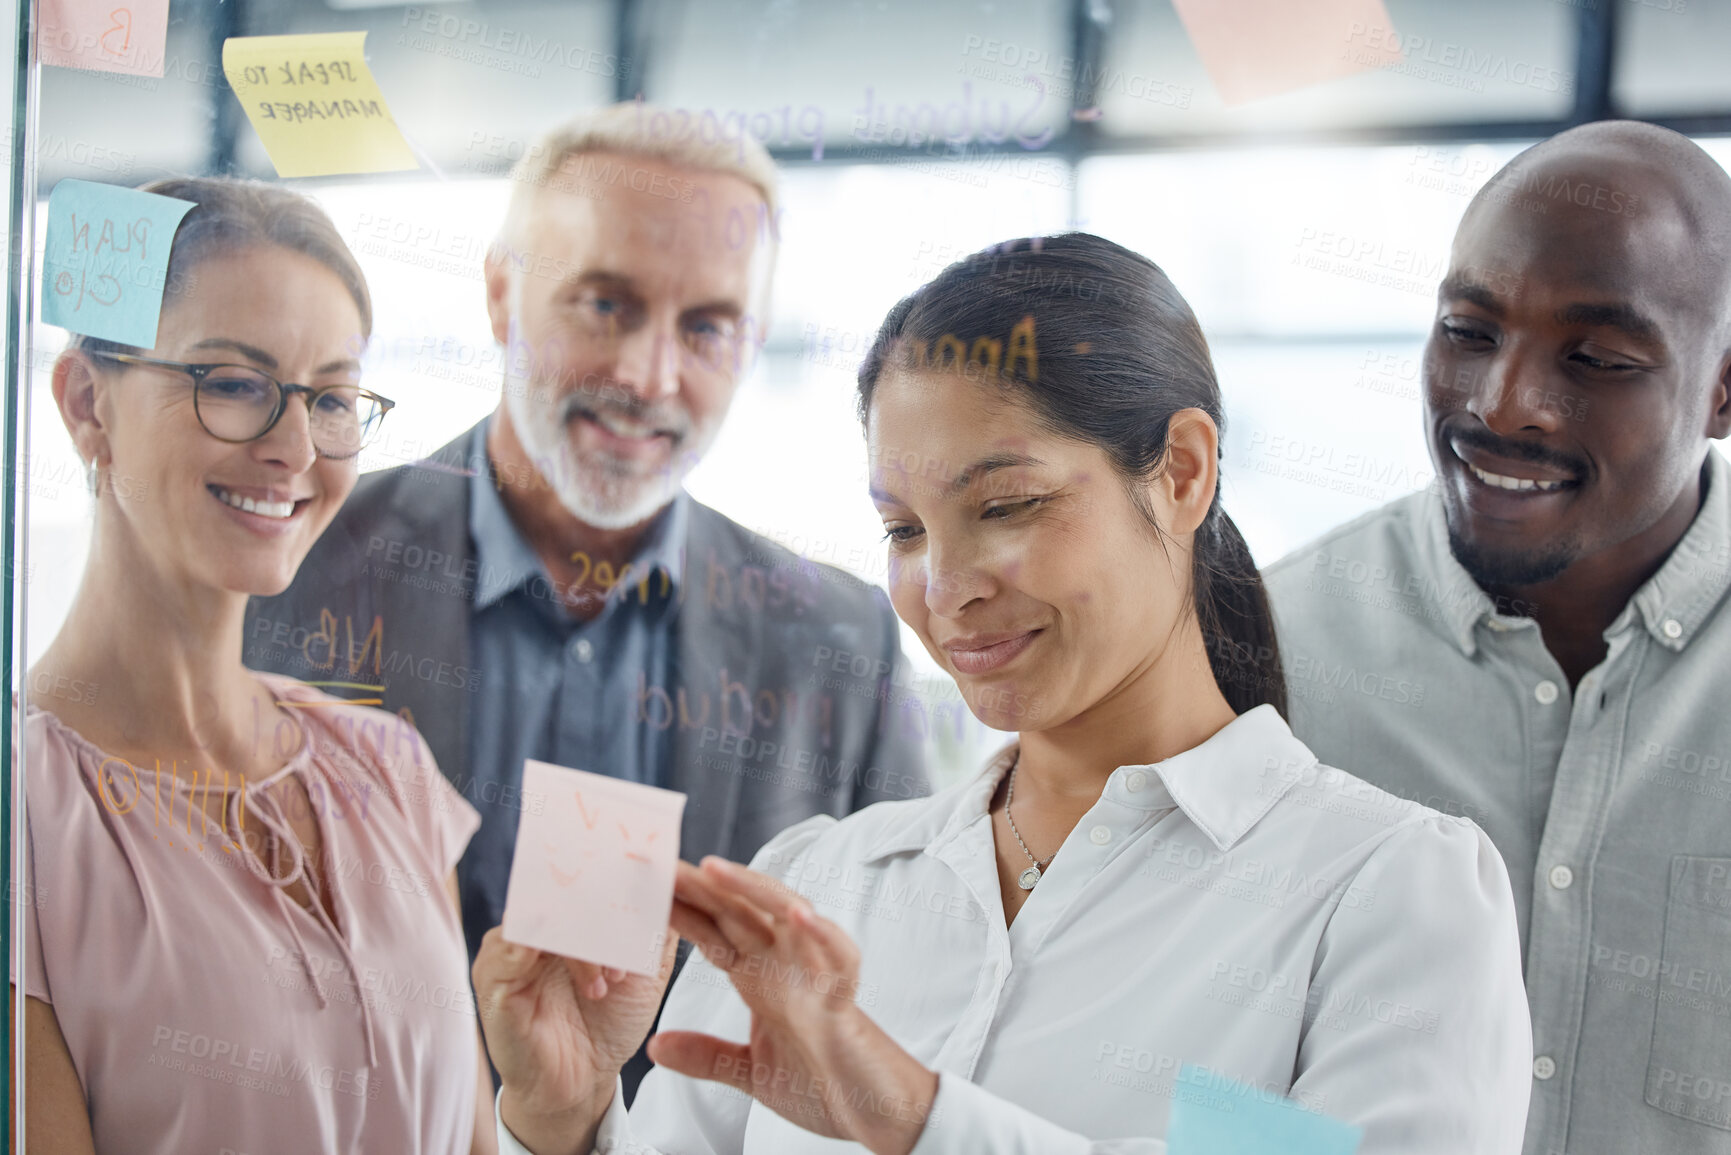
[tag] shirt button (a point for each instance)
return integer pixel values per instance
(1545, 692)
(1562, 877)
(1100, 836)
(1544, 1067)
(1672, 627)
(583, 650)
(1136, 780)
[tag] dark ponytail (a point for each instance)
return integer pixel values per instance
(1237, 623)
(1118, 353)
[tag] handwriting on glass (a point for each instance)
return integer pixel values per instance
(122, 18)
(94, 279)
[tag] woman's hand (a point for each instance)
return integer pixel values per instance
(558, 1031)
(814, 1057)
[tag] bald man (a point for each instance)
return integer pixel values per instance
(1541, 640)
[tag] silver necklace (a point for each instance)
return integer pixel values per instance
(1030, 876)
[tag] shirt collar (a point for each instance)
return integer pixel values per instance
(1460, 600)
(1675, 601)
(506, 562)
(1225, 786)
(1672, 603)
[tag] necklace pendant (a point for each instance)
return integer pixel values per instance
(1028, 878)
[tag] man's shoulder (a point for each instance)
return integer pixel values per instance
(422, 504)
(427, 492)
(393, 521)
(1361, 592)
(1387, 534)
(821, 595)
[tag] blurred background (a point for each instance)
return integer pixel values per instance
(1297, 168)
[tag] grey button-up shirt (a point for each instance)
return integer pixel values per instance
(558, 690)
(1611, 805)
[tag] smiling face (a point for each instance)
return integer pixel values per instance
(175, 488)
(628, 317)
(1017, 556)
(1571, 374)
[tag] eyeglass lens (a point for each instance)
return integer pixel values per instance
(237, 404)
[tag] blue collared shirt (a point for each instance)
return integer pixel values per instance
(558, 690)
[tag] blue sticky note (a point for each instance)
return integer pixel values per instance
(1214, 1115)
(106, 260)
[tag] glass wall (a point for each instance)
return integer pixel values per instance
(1300, 185)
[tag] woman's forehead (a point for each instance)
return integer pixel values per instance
(270, 297)
(944, 404)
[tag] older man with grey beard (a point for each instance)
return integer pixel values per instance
(542, 587)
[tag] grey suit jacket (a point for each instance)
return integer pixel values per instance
(784, 686)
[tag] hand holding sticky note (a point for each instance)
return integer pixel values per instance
(592, 875)
(314, 104)
(1213, 1115)
(105, 263)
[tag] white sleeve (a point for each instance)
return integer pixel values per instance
(673, 1112)
(1417, 1026)
(613, 1132)
(508, 1144)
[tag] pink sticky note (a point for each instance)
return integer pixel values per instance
(592, 876)
(1257, 48)
(129, 36)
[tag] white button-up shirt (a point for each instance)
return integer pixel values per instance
(1249, 911)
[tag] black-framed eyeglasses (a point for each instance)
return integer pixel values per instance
(237, 403)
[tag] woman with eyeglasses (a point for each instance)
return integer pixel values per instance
(1152, 898)
(243, 932)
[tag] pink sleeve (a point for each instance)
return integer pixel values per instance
(453, 821)
(394, 755)
(26, 893)
(441, 818)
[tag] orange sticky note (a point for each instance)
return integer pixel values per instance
(592, 875)
(1257, 48)
(104, 36)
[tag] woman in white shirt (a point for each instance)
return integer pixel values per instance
(1155, 889)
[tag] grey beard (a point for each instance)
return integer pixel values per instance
(608, 498)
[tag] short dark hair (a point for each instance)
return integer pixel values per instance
(1118, 353)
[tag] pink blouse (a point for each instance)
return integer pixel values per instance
(206, 1011)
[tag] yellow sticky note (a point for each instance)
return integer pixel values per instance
(314, 104)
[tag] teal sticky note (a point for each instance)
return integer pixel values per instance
(1214, 1115)
(105, 263)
